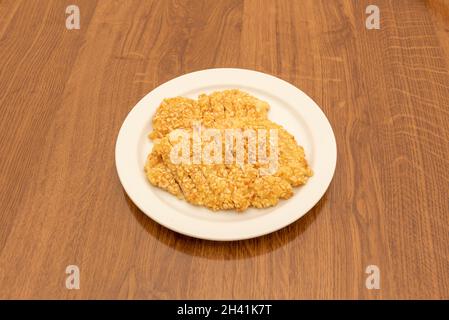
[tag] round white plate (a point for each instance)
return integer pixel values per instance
(290, 107)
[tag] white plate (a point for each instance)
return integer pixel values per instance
(290, 107)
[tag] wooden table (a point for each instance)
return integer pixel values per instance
(65, 93)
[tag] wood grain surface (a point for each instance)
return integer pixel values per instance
(65, 93)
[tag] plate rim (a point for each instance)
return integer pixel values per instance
(237, 234)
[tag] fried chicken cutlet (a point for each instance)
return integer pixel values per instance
(222, 185)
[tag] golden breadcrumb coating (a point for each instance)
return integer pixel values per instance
(174, 113)
(224, 186)
(179, 112)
